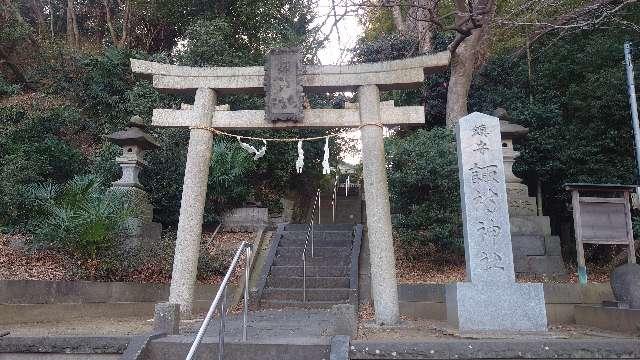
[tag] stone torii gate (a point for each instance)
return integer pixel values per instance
(367, 79)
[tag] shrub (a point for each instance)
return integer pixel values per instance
(229, 173)
(424, 187)
(80, 216)
(7, 88)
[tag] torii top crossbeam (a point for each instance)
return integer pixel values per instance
(387, 75)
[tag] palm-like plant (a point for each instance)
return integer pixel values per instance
(80, 216)
(229, 172)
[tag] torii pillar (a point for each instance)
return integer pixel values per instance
(368, 79)
(384, 287)
(194, 192)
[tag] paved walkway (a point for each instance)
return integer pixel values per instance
(272, 324)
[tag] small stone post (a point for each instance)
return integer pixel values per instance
(384, 286)
(194, 191)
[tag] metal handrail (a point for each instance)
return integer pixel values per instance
(310, 234)
(334, 200)
(220, 298)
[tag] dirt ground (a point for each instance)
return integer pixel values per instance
(420, 330)
(408, 330)
(94, 327)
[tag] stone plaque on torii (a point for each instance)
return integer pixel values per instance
(370, 115)
(284, 97)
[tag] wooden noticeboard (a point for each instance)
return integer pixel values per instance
(604, 217)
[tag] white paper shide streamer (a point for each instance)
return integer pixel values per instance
(257, 154)
(325, 160)
(347, 183)
(300, 161)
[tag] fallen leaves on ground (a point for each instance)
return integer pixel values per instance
(226, 244)
(21, 264)
(16, 264)
(427, 263)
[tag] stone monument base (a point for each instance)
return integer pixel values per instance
(496, 307)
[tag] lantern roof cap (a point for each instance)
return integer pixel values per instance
(509, 130)
(134, 134)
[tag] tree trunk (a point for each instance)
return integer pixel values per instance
(126, 24)
(38, 13)
(51, 19)
(467, 57)
(109, 21)
(76, 33)
(72, 25)
(462, 66)
(396, 14)
(419, 23)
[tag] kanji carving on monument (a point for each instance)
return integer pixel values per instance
(283, 85)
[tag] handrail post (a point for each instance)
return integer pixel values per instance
(304, 275)
(220, 297)
(312, 235)
(318, 208)
(221, 330)
(245, 309)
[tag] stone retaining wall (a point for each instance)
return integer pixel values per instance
(427, 301)
(246, 219)
(63, 292)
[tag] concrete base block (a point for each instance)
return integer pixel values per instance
(496, 307)
(166, 318)
(339, 347)
(423, 310)
(346, 320)
(608, 318)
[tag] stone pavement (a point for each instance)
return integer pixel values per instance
(272, 325)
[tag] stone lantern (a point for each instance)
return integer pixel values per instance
(135, 142)
(535, 250)
(510, 133)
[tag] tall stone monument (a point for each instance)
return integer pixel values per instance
(490, 299)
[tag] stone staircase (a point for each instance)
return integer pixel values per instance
(331, 273)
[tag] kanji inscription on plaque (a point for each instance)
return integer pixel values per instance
(283, 85)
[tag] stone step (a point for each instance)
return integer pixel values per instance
(341, 260)
(312, 294)
(548, 265)
(177, 347)
(323, 251)
(318, 235)
(530, 225)
(528, 245)
(322, 227)
(316, 242)
(312, 271)
(312, 282)
(281, 304)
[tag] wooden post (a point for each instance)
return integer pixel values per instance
(577, 223)
(631, 249)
